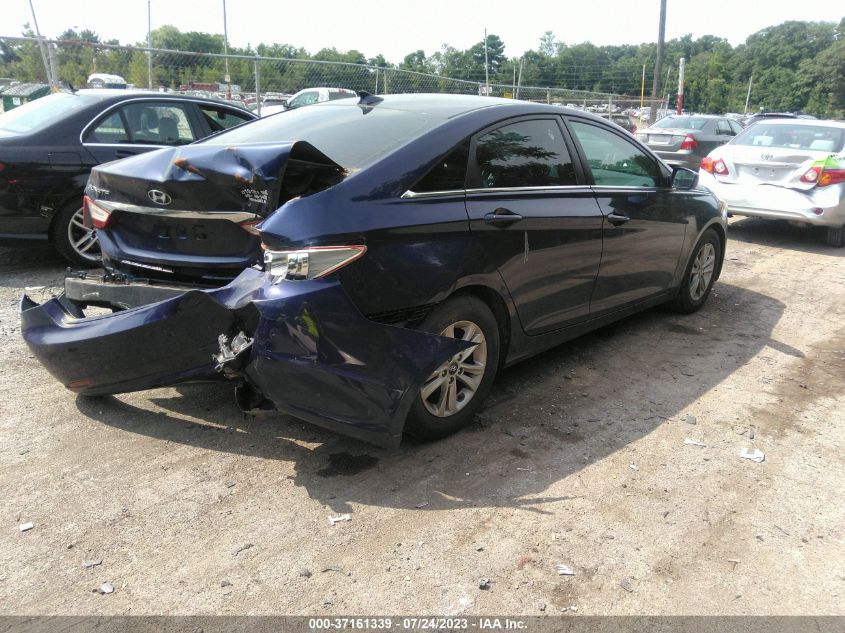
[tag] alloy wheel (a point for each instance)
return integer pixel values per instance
(702, 271)
(451, 387)
(82, 239)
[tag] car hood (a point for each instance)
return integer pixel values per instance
(254, 178)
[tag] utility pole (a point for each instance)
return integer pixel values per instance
(681, 85)
(486, 68)
(227, 78)
(748, 96)
(44, 57)
(149, 45)
(658, 64)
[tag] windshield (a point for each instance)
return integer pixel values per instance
(40, 113)
(806, 137)
(682, 122)
(353, 136)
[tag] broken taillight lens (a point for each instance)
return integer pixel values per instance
(309, 263)
(824, 173)
(94, 214)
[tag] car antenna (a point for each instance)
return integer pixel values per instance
(367, 99)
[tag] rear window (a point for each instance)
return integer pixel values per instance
(38, 114)
(806, 137)
(353, 136)
(682, 122)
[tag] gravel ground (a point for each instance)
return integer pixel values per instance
(579, 458)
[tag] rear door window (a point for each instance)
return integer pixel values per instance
(723, 128)
(613, 160)
(158, 123)
(524, 154)
(222, 118)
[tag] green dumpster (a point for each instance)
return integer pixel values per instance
(14, 96)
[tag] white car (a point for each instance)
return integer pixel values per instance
(309, 96)
(784, 169)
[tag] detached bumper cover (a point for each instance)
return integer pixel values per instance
(313, 356)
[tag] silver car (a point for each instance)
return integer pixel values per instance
(785, 169)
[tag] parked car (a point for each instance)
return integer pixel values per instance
(622, 120)
(685, 139)
(763, 116)
(48, 147)
(309, 96)
(786, 169)
(414, 245)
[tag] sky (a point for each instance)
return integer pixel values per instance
(395, 28)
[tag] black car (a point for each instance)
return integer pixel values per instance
(48, 147)
(412, 245)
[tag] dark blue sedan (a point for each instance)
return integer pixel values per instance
(382, 258)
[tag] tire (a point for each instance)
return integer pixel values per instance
(74, 242)
(696, 285)
(436, 414)
(836, 236)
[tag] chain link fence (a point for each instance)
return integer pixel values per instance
(255, 79)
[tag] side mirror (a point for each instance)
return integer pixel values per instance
(683, 178)
(285, 104)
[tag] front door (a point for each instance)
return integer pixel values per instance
(645, 220)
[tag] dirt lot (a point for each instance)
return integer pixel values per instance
(579, 459)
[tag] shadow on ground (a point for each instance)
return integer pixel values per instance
(548, 417)
(782, 235)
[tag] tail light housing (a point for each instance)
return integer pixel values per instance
(249, 226)
(689, 142)
(714, 166)
(94, 214)
(824, 173)
(309, 263)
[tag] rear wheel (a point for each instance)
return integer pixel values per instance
(452, 394)
(700, 274)
(75, 241)
(836, 236)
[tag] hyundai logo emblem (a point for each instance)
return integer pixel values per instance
(159, 197)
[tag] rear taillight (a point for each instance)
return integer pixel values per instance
(714, 166)
(2, 166)
(689, 142)
(94, 214)
(309, 263)
(812, 175)
(822, 176)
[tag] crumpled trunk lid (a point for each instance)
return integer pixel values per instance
(187, 213)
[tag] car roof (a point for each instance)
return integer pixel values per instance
(807, 122)
(448, 106)
(118, 94)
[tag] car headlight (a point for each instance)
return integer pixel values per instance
(309, 263)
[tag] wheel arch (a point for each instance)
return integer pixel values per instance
(498, 306)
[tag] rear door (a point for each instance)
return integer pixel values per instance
(536, 219)
(140, 126)
(645, 219)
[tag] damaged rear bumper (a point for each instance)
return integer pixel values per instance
(311, 354)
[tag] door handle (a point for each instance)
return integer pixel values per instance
(502, 216)
(616, 219)
(123, 153)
